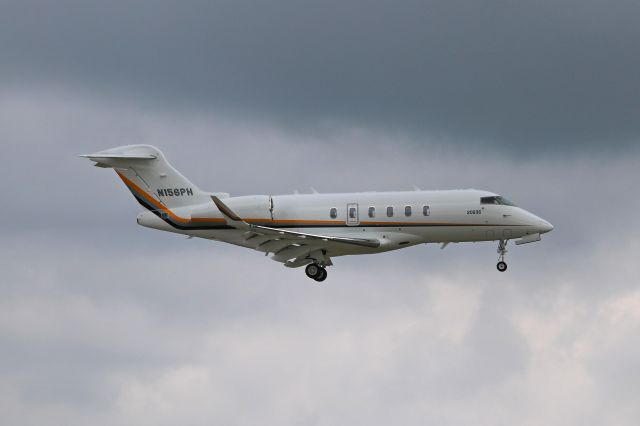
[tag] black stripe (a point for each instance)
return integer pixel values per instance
(221, 226)
(174, 224)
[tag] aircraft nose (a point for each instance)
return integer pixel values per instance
(545, 226)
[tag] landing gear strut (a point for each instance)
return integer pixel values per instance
(316, 272)
(502, 250)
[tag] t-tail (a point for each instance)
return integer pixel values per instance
(150, 177)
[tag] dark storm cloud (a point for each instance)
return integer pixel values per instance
(103, 322)
(529, 76)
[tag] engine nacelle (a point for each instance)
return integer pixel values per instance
(249, 207)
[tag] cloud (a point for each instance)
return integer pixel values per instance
(104, 322)
(534, 78)
(45, 131)
(128, 338)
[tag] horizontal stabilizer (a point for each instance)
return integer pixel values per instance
(107, 159)
(148, 175)
(98, 156)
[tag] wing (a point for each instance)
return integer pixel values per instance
(293, 248)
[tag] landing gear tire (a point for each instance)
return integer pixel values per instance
(312, 270)
(502, 250)
(316, 272)
(322, 275)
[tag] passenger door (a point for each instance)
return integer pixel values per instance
(352, 214)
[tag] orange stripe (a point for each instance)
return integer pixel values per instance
(164, 209)
(177, 218)
(152, 200)
(364, 222)
(207, 219)
(310, 222)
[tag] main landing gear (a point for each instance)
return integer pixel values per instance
(502, 250)
(316, 272)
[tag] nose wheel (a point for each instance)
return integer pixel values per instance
(316, 272)
(502, 250)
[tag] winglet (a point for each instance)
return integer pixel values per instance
(230, 217)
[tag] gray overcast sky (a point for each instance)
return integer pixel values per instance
(107, 323)
(524, 76)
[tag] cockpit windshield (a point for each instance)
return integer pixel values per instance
(496, 199)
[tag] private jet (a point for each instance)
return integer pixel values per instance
(311, 229)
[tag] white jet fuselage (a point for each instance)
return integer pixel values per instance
(396, 219)
(310, 229)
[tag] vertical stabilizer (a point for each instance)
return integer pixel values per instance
(149, 176)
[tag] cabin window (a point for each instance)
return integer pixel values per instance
(372, 212)
(426, 211)
(407, 210)
(389, 211)
(333, 213)
(352, 212)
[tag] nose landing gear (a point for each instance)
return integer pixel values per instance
(502, 250)
(316, 272)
